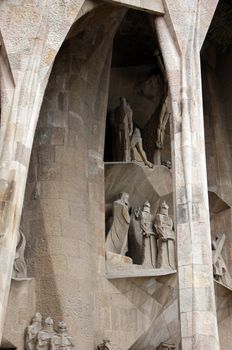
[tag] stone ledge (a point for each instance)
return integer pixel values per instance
(139, 273)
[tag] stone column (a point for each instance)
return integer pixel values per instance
(180, 47)
(29, 44)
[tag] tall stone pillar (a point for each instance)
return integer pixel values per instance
(180, 45)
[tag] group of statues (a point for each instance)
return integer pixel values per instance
(44, 337)
(153, 237)
(128, 145)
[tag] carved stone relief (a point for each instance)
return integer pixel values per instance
(38, 337)
(128, 144)
(165, 238)
(105, 345)
(152, 238)
(19, 267)
(220, 271)
(123, 126)
(117, 238)
(137, 153)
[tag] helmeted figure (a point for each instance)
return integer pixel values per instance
(166, 238)
(32, 331)
(117, 238)
(149, 237)
(45, 336)
(61, 340)
(123, 125)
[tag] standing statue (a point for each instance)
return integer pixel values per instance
(61, 340)
(117, 238)
(123, 124)
(32, 331)
(19, 267)
(45, 336)
(166, 238)
(149, 237)
(220, 271)
(137, 153)
(104, 345)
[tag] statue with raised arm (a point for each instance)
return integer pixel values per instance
(32, 332)
(117, 237)
(137, 152)
(123, 125)
(166, 238)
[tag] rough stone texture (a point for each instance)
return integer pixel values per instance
(64, 202)
(21, 305)
(216, 85)
(181, 54)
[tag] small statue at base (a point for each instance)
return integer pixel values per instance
(45, 336)
(137, 153)
(61, 340)
(104, 345)
(32, 331)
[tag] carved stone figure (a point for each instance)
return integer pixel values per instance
(19, 267)
(117, 238)
(61, 340)
(32, 331)
(137, 153)
(220, 271)
(123, 124)
(45, 336)
(166, 346)
(149, 237)
(104, 345)
(166, 238)
(135, 237)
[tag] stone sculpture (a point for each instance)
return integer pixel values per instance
(166, 238)
(123, 125)
(61, 340)
(32, 332)
(104, 345)
(19, 267)
(220, 270)
(166, 346)
(137, 153)
(149, 237)
(46, 338)
(163, 119)
(117, 238)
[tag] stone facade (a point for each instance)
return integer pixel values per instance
(62, 74)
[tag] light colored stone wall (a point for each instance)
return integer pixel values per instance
(64, 212)
(217, 108)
